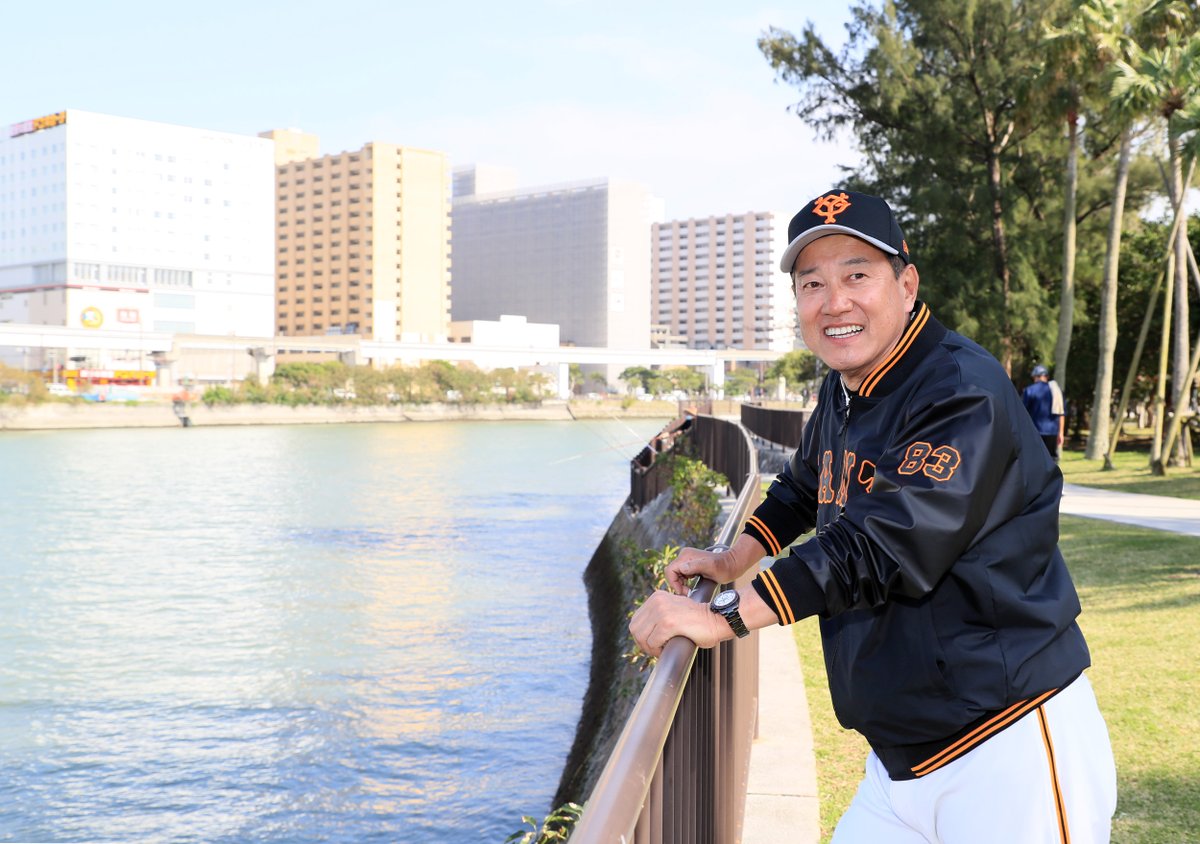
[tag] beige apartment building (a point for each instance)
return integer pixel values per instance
(362, 240)
(716, 284)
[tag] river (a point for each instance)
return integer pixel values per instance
(296, 633)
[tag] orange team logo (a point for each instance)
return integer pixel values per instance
(830, 205)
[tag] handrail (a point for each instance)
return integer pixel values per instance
(616, 803)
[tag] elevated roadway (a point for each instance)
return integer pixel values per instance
(171, 352)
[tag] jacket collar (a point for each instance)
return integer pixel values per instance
(922, 333)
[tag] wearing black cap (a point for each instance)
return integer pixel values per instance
(860, 215)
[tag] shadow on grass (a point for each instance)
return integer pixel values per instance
(1156, 806)
(1104, 555)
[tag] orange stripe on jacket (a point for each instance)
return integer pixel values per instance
(906, 340)
(772, 543)
(977, 735)
(781, 605)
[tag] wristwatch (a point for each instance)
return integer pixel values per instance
(726, 604)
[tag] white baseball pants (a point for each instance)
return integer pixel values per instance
(1049, 778)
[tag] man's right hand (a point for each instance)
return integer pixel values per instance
(692, 562)
(718, 566)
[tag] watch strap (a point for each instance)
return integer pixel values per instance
(734, 618)
(735, 621)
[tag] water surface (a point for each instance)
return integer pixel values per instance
(296, 633)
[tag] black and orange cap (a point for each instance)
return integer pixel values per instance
(860, 215)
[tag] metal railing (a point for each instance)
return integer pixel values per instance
(677, 774)
(776, 425)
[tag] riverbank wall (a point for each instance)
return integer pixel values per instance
(54, 415)
(614, 682)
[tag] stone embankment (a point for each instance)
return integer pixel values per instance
(60, 415)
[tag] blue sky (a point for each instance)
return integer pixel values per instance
(674, 95)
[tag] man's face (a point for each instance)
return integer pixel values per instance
(852, 308)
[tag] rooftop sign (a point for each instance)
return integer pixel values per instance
(37, 124)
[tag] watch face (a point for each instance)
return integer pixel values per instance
(725, 599)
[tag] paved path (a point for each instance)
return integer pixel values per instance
(781, 797)
(1179, 515)
(781, 794)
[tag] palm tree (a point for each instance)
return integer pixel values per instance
(1182, 393)
(1165, 78)
(1070, 76)
(1110, 25)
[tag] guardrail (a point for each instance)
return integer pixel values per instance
(677, 774)
(781, 426)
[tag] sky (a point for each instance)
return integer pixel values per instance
(673, 95)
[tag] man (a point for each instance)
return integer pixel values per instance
(1043, 399)
(947, 613)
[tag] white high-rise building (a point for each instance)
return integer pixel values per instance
(717, 283)
(577, 255)
(129, 225)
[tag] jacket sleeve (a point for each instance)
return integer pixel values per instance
(790, 506)
(938, 486)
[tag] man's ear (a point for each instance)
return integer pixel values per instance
(910, 279)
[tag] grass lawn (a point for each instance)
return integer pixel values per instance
(1140, 591)
(1131, 473)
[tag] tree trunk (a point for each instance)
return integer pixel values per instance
(1160, 388)
(1000, 257)
(1066, 303)
(1098, 435)
(1181, 355)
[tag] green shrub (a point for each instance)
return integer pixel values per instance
(695, 504)
(218, 395)
(556, 827)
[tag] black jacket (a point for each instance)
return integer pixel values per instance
(946, 607)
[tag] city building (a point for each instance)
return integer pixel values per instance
(717, 285)
(134, 226)
(362, 240)
(576, 255)
(507, 332)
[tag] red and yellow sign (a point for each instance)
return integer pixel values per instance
(76, 378)
(37, 124)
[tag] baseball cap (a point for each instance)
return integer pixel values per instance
(860, 215)
(1040, 370)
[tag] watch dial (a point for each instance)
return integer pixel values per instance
(725, 598)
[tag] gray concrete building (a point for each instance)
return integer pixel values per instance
(573, 254)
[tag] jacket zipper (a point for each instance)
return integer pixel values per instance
(842, 434)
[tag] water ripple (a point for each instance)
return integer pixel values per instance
(341, 633)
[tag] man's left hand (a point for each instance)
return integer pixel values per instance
(664, 616)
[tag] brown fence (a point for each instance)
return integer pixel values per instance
(718, 443)
(776, 425)
(647, 478)
(678, 771)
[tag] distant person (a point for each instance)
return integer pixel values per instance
(1044, 401)
(948, 616)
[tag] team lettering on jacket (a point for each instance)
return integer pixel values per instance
(935, 462)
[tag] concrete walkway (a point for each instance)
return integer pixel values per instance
(1178, 515)
(781, 797)
(781, 792)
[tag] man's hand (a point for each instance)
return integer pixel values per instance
(664, 616)
(718, 566)
(692, 562)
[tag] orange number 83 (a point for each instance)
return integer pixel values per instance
(936, 463)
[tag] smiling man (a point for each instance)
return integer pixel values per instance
(947, 613)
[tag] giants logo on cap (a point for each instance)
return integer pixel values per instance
(830, 205)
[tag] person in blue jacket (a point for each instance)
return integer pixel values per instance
(1043, 399)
